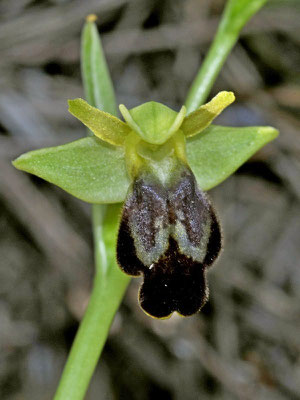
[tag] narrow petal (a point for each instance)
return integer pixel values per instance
(105, 126)
(198, 120)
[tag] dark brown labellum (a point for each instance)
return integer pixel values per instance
(169, 235)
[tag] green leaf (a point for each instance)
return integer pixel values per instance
(89, 169)
(105, 126)
(218, 151)
(153, 121)
(198, 120)
(96, 78)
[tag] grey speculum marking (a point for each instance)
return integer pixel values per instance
(170, 235)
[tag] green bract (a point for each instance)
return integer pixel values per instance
(97, 172)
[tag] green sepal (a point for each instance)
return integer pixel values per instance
(95, 171)
(219, 151)
(153, 122)
(88, 168)
(200, 119)
(104, 125)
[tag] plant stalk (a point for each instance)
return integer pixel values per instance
(235, 16)
(107, 294)
(109, 283)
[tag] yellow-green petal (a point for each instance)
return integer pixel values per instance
(198, 120)
(105, 126)
(95, 171)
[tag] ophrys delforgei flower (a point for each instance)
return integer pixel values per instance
(158, 163)
(169, 231)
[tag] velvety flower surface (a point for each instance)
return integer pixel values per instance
(169, 234)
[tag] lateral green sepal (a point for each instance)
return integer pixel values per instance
(95, 171)
(88, 168)
(219, 151)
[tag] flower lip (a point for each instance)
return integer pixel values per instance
(178, 286)
(153, 122)
(170, 235)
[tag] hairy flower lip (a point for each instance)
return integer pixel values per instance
(183, 290)
(170, 235)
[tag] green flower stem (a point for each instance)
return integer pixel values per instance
(235, 16)
(109, 287)
(109, 283)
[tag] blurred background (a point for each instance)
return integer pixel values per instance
(245, 343)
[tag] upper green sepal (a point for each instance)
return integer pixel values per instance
(154, 122)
